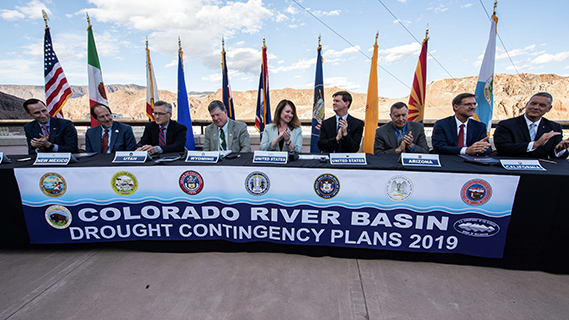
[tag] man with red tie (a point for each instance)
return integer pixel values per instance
(111, 136)
(46, 133)
(459, 134)
(163, 134)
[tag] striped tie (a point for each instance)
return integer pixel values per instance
(162, 137)
(45, 131)
(105, 141)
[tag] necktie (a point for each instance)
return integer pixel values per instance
(105, 141)
(532, 131)
(45, 131)
(162, 137)
(223, 144)
(399, 136)
(461, 136)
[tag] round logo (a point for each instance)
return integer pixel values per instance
(399, 188)
(327, 186)
(124, 183)
(257, 183)
(476, 227)
(53, 185)
(476, 192)
(489, 89)
(191, 182)
(58, 217)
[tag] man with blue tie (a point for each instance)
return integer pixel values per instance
(163, 134)
(110, 136)
(46, 133)
(532, 135)
(400, 135)
(460, 134)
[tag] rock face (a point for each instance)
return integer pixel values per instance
(511, 93)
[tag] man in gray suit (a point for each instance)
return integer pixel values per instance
(398, 135)
(225, 133)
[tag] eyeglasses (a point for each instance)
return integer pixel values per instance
(471, 104)
(160, 113)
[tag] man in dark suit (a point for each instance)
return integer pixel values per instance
(163, 134)
(532, 135)
(46, 133)
(398, 135)
(342, 132)
(110, 136)
(459, 134)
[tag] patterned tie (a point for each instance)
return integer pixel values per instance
(45, 131)
(162, 137)
(223, 144)
(399, 136)
(532, 131)
(461, 136)
(105, 141)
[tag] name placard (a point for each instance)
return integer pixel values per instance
(130, 157)
(52, 158)
(522, 164)
(203, 156)
(274, 157)
(420, 159)
(348, 158)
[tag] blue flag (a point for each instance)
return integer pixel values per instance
(183, 105)
(263, 113)
(318, 107)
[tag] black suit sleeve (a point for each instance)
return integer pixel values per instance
(177, 137)
(327, 140)
(146, 136)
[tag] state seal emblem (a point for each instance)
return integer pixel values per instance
(257, 183)
(327, 186)
(124, 183)
(53, 185)
(191, 182)
(399, 188)
(476, 192)
(58, 217)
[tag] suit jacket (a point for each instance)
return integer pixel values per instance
(175, 136)
(511, 138)
(238, 140)
(386, 140)
(61, 132)
(350, 143)
(271, 132)
(122, 138)
(445, 137)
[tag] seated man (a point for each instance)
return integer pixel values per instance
(531, 135)
(342, 132)
(397, 136)
(46, 133)
(163, 134)
(225, 133)
(110, 136)
(459, 134)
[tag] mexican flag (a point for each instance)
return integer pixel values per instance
(97, 92)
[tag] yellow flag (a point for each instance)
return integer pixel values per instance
(372, 105)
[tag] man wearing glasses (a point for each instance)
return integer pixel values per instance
(224, 133)
(459, 134)
(162, 135)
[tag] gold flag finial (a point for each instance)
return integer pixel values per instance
(495, 5)
(263, 41)
(45, 18)
(319, 38)
(146, 42)
(179, 43)
(376, 36)
(427, 32)
(222, 44)
(88, 19)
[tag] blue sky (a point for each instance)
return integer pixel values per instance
(533, 33)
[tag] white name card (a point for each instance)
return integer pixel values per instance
(202, 156)
(3, 158)
(420, 159)
(130, 157)
(274, 157)
(49, 158)
(522, 165)
(348, 158)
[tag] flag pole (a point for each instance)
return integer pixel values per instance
(45, 17)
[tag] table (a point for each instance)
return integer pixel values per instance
(535, 238)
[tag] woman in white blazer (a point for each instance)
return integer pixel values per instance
(284, 134)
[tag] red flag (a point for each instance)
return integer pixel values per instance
(57, 90)
(151, 86)
(417, 97)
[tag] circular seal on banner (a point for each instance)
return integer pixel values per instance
(327, 186)
(476, 192)
(58, 217)
(124, 183)
(191, 182)
(257, 183)
(53, 185)
(476, 227)
(399, 188)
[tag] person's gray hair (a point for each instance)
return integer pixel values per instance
(544, 94)
(216, 104)
(166, 105)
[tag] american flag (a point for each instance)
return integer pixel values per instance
(57, 90)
